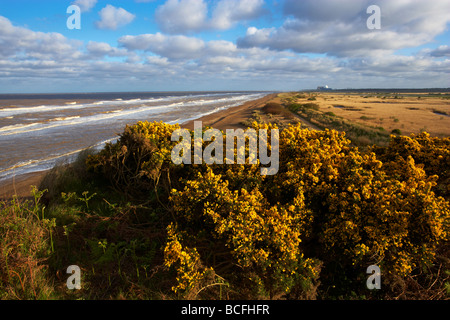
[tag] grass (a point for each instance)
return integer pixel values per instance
(361, 115)
(271, 112)
(274, 108)
(79, 220)
(367, 118)
(361, 135)
(26, 242)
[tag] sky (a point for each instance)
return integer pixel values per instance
(226, 45)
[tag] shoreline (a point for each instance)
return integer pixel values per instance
(230, 118)
(20, 186)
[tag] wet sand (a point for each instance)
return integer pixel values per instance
(226, 119)
(20, 185)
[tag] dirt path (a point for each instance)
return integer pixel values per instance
(306, 123)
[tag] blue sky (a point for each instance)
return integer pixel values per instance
(145, 45)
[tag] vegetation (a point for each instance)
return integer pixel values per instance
(26, 243)
(141, 227)
(359, 134)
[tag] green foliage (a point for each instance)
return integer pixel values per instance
(224, 231)
(360, 135)
(25, 243)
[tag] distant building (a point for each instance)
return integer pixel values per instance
(324, 88)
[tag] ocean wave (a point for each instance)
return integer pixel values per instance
(164, 107)
(122, 113)
(77, 120)
(37, 165)
(12, 129)
(200, 115)
(200, 98)
(6, 112)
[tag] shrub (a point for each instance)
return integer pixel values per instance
(252, 239)
(331, 211)
(139, 161)
(273, 108)
(431, 153)
(363, 212)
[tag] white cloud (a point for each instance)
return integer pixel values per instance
(85, 5)
(339, 27)
(172, 47)
(229, 12)
(220, 56)
(186, 16)
(19, 42)
(112, 18)
(220, 59)
(180, 16)
(101, 49)
(159, 61)
(263, 58)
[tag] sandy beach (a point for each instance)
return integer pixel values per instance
(20, 185)
(231, 118)
(226, 119)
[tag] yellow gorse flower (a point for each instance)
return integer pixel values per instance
(328, 203)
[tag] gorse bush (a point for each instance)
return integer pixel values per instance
(224, 231)
(251, 238)
(430, 153)
(139, 160)
(330, 212)
(364, 211)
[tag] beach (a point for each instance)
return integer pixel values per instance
(20, 185)
(230, 118)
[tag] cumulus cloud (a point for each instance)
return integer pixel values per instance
(112, 18)
(224, 59)
(263, 58)
(186, 16)
(18, 42)
(85, 5)
(229, 12)
(179, 16)
(441, 51)
(221, 56)
(101, 49)
(338, 28)
(170, 46)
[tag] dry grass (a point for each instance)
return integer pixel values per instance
(406, 112)
(25, 244)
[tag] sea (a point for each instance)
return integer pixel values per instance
(38, 131)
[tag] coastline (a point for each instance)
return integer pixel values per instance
(229, 118)
(20, 186)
